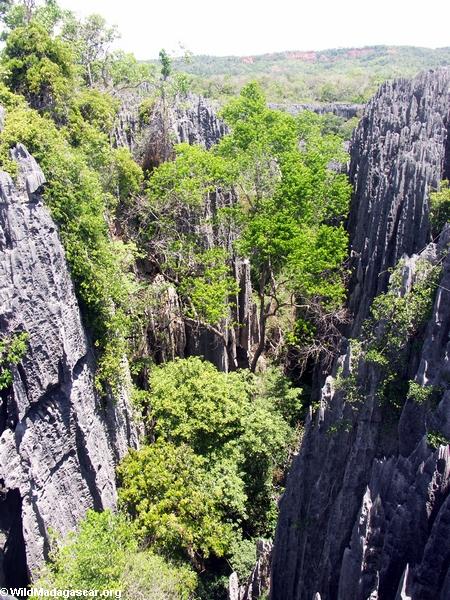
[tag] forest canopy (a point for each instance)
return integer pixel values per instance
(269, 199)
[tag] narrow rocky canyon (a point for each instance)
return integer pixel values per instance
(366, 510)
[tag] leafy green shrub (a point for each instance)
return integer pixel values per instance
(12, 349)
(436, 439)
(176, 505)
(206, 284)
(278, 391)
(104, 554)
(95, 556)
(341, 425)
(145, 110)
(424, 394)
(151, 577)
(395, 320)
(243, 558)
(187, 179)
(38, 66)
(440, 208)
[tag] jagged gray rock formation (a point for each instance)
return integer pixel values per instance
(397, 157)
(58, 442)
(150, 137)
(366, 514)
(259, 581)
(340, 109)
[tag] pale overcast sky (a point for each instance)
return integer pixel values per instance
(243, 27)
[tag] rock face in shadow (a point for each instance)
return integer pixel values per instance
(366, 514)
(58, 442)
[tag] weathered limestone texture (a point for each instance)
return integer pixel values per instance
(58, 442)
(366, 512)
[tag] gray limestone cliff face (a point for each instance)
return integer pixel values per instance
(58, 442)
(397, 157)
(150, 135)
(365, 514)
(345, 110)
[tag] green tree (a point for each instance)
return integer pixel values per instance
(91, 40)
(104, 554)
(38, 67)
(174, 502)
(288, 201)
(209, 476)
(176, 240)
(166, 64)
(294, 206)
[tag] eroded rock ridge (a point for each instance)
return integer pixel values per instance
(366, 512)
(58, 441)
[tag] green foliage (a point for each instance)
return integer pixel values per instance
(212, 587)
(440, 208)
(20, 14)
(176, 192)
(286, 210)
(243, 558)
(12, 349)
(91, 40)
(396, 319)
(151, 577)
(209, 287)
(38, 66)
(209, 476)
(424, 394)
(194, 403)
(78, 201)
(145, 110)
(166, 64)
(104, 554)
(175, 505)
(435, 439)
(126, 175)
(96, 109)
(189, 178)
(125, 71)
(293, 206)
(341, 425)
(94, 557)
(278, 391)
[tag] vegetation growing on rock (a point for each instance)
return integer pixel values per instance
(206, 481)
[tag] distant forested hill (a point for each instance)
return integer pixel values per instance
(350, 74)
